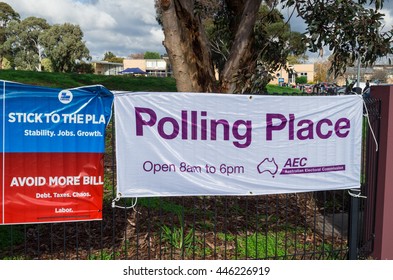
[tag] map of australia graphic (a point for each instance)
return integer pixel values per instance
(269, 166)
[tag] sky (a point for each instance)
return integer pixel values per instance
(123, 27)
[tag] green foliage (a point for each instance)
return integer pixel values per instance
(280, 90)
(46, 65)
(350, 29)
(256, 82)
(22, 42)
(64, 46)
(111, 57)
(301, 80)
(108, 56)
(30, 40)
(274, 42)
(116, 60)
(84, 68)
(6, 64)
(7, 14)
(277, 245)
(26, 61)
(152, 55)
(217, 27)
(297, 59)
(160, 203)
(104, 255)
(179, 238)
(262, 246)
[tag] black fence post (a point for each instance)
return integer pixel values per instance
(353, 225)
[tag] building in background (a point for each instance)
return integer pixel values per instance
(296, 70)
(107, 68)
(153, 67)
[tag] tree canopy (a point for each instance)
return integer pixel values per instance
(246, 42)
(27, 42)
(7, 14)
(23, 42)
(151, 55)
(111, 57)
(351, 30)
(64, 46)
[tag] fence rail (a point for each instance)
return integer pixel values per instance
(287, 226)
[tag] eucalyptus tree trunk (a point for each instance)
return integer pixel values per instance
(241, 55)
(189, 49)
(187, 46)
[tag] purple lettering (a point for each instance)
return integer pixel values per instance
(203, 126)
(291, 126)
(140, 122)
(296, 162)
(194, 125)
(270, 127)
(246, 136)
(213, 129)
(342, 123)
(308, 129)
(197, 123)
(175, 128)
(319, 129)
(184, 125)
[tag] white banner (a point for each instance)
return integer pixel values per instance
(185, 144)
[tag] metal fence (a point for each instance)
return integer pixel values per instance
(287, 226)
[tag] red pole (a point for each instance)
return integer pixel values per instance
(383, 243)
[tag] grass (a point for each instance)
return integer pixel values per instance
(159, 203)
(104, 255)
(118, 82)
(178, 238)
(71, 80)
(278, 245)
(281, 90)
(262, 246)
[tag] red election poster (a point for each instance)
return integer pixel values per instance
(52, 153)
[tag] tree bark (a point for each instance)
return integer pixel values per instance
(187, 46)
(240, 54)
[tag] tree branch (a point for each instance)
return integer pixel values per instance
(240, 50)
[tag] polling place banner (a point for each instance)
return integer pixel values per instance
(52, 153)
(184, 144)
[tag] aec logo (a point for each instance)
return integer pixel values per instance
(65, 96)
(269, 166)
